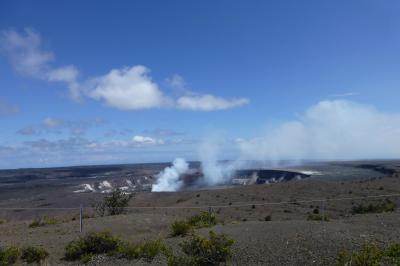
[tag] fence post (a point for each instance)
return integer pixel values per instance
(80, 219)
(323, 211)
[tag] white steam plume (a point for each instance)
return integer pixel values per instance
(215, 171)
(168, 179)
(330, 130)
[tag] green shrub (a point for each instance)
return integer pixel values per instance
(392, 254)
(180, 261)
(267, 218)
(180, 228)
(204, 219)
(147, 250)
(370, 254)
(201, 251)
(33, 254)
(317, 217)
(114, 204)
(128, 251)
(104, 243)
(9, 256)
(50, 220)
(43, 221)
(150, 249)
(35, 223)
(90, 244)
(386, 206)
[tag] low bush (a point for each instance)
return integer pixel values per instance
(204, 219)
(114, 204)
(317, 217)
(13, 255)
(202, 251)
(43, 221)
(91, 244)
(33, 254)
(385, 206)
(35, 223)
(180, 228)
(370, 254)
(148, 250)
(9, 256)
(104, 243)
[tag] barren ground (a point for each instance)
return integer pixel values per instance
(288, 239)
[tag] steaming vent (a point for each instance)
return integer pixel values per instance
(194, 178)
(265, 176)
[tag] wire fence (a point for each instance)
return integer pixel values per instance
(81, 211)
(237, 204)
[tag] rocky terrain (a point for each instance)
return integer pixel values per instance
(270, 223)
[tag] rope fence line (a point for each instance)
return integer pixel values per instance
(215, 206)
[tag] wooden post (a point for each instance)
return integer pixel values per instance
(210, 211)
(80, 219)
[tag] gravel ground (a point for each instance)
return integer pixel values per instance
(289, 239)
(307, 242)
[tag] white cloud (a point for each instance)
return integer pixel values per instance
(189, 100)
(24, 52)
(330, 130)
(127, 89)
(208, 102)
(177, 82)
(67, 74)
(49, 122)
(27, 57)
(143, 140)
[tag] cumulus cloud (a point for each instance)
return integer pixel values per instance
(128, 88)
(143, 140)
(189, 100)
(7, 108)
(177, 82)
(26, 55)
(330, 130)
(132, 88)
(208, 102)
(67, 74)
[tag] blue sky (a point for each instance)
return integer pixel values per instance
(141, 81)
